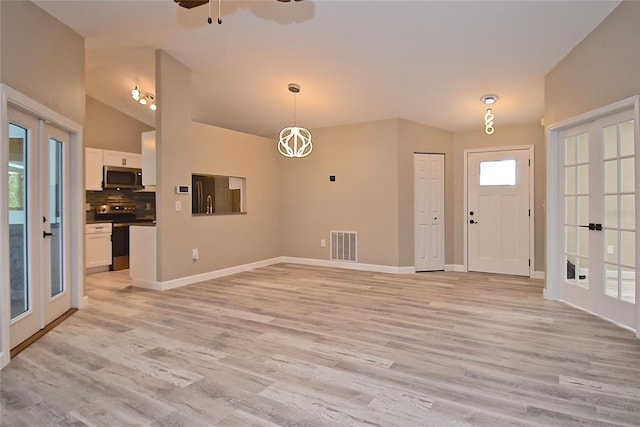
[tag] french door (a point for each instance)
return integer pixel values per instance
(499, 211)
(599, 216)
(38, 224)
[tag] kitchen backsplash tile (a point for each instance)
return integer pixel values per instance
(145, 201)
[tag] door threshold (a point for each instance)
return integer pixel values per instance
(35, 337)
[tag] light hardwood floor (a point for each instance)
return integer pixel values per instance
(291, 345)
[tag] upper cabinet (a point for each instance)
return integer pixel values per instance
(96, 158)
(119, 158)
(93, 169)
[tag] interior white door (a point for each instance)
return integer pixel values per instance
(599, 167)
(498, 212)
(428, 211)
(38, 217)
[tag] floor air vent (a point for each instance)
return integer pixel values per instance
(344, 246)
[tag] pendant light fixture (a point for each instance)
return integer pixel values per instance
(295, 141)
(489, 116)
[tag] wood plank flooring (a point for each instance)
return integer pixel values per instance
(291, 345)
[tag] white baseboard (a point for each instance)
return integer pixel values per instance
(183, 281)
(4, 359)
(375, 268)
(538, 275)
(629, 328)
(455, 267)
(84, 301)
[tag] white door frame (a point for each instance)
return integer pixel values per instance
(465, 190)
(554, 273)
(9, 96)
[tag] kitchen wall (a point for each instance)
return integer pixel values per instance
(600, 70)
(503, 137)
(110, 129)
(185, 147)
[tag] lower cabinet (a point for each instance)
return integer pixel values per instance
(98, 245)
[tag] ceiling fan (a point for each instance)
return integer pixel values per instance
(190, 4)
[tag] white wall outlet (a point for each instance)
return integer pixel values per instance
(178, 205)
(610, 249)
(323, 243)
(194, 254)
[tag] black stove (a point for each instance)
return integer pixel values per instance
(122, 216)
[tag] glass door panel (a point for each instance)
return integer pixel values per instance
(55, 217)
(619, 205)
(18, 236)
(576, 201)
(38, 216)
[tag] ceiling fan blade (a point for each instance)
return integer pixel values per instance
(190, 4)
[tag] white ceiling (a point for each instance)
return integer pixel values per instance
(426, 61)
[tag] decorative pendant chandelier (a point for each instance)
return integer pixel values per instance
(295, 141)
(489, 116)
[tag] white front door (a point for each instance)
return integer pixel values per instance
(428, 172)
(498, 211)
(38, 224)
(599, 212)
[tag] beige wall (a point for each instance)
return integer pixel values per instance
(372, 194)
(185, 147)
(509, 136)
(109, 129)
(42, 58)
(364, 197)
(418, 138)
(600, 70)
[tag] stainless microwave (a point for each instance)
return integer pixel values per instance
(119, 178)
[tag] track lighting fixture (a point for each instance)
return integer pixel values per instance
(144, 97)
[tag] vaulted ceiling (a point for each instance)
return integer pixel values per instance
(356, 61)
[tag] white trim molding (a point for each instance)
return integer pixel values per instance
(554, 252)
(461, 268)
(196, 278)
(10, 96)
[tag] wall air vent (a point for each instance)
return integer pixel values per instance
(344, 246)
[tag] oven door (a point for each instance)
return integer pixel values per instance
(120, 246)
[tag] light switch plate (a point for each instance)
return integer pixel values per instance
(178, 206)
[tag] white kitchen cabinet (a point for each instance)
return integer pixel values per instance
(93, 169)
(98, 244)
(121, 158)
(149, 158)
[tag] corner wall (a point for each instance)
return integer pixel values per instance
(42, 58)
(185, 147)
(110, 129)
(600, 70)
(418, 138)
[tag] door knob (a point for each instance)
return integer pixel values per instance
(45, 234)
(471, 213)
(473, 222)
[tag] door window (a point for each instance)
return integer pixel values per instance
(619, 216)
(18, 277)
